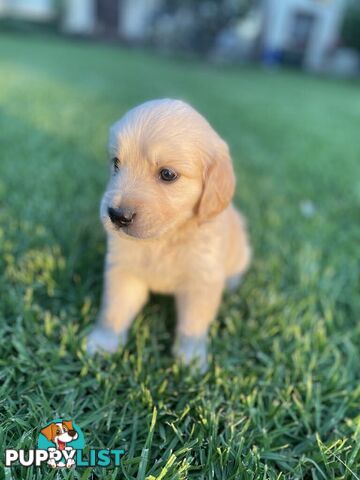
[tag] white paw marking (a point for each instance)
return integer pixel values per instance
(104, 339)
(190, 349)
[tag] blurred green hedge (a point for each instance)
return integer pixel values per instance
(351, 27)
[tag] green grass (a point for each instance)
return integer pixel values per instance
(282, 397)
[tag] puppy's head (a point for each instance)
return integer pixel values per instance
(167, 166)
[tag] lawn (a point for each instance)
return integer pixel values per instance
(281, 399)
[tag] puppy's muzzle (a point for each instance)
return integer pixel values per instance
(121, 217)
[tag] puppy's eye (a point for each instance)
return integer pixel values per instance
(58, 431)
(167, 175)
(116, 164)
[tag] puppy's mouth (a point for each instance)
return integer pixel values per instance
(123, 231)
(61, 445)
(128, 232)
(133, 232)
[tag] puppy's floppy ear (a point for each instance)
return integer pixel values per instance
(219, 184)
(48, 432)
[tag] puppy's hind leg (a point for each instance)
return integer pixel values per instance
(234, 282)
(123, 297)
(235, 278)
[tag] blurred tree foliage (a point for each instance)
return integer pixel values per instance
(351, 27)
(195, 24)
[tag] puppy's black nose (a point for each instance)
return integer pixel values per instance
(121, 217)
(72, 433)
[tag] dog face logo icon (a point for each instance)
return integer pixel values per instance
(60, 433)
(61, 438)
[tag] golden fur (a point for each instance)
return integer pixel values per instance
(186, 239)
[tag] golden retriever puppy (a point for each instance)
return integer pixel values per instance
(171, 228)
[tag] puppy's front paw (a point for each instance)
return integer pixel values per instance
(189, 349)
(105, 339)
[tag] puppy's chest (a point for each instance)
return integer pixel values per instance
(160, 266)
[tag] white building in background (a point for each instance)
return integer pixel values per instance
(127, 18)
(79, 16)
(38, 10)
(308, 29)
(305, 32)
(135, 17)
